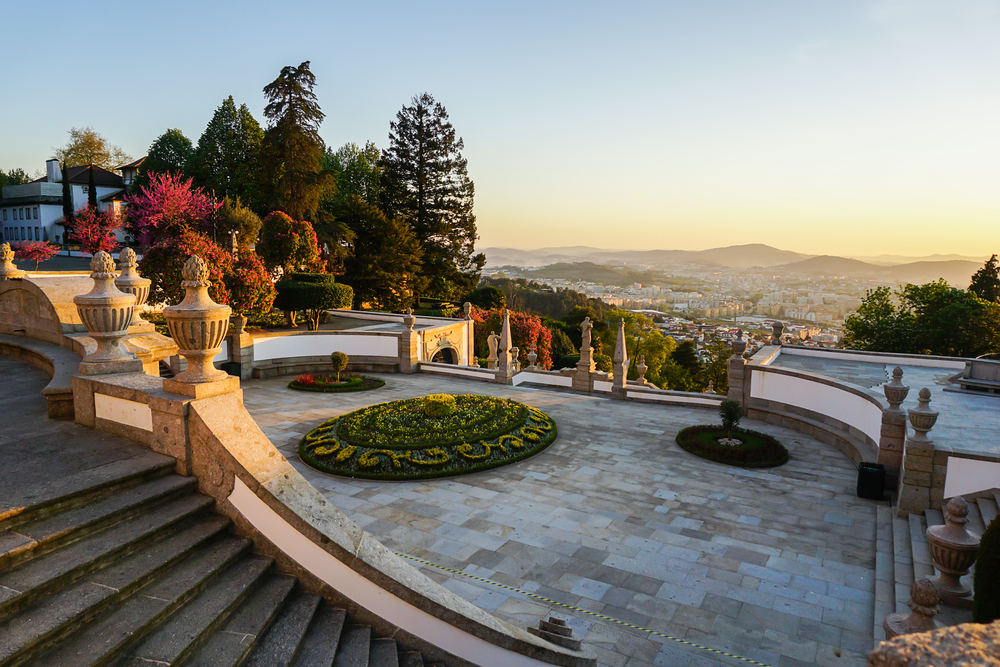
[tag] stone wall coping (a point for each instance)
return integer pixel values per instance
(321, 332)
(822, 379)
(59, 362)
(640, 389)
(256, 478)
(898, 359)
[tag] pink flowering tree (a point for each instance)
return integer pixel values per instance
(37, 251)
(250, 287)
(525, 330)
(95, 230)
(168, 205)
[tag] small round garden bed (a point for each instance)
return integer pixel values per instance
(400, 440)
(329, 383)
(756, 450)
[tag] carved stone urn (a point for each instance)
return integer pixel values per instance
(198, 325)
(106, 311)
(739, 345)
(532, 357)
(641, 369)
(923, 603)
(8, 270)
(776, 331)
(896, 391)
(953, 549)
(409, 319)
(131, 282)
(922, 418)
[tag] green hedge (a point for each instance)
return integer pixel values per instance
(312, 293)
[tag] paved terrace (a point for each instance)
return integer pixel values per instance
(968, 423)
(614, 518)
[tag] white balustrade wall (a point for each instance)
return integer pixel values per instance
(321, 344)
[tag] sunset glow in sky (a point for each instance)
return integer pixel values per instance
(848, 127)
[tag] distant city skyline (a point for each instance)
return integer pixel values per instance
(858, 128)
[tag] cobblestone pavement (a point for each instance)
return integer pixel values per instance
(775, 566)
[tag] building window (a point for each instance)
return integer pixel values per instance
(5, 214)
(38, 235)
(34, 213)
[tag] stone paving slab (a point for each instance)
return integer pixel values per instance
(774, 565)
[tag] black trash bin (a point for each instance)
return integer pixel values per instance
(233, 368)
(871, 481)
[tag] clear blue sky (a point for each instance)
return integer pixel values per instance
(847, 127)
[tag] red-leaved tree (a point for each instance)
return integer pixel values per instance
(95, 230)
(166, 206)
(525, 329)
(37, 251)
(288, 244)
(251, 291)
(163, 264)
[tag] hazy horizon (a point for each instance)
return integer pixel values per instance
(858, 128)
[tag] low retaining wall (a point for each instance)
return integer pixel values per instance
(60, 364)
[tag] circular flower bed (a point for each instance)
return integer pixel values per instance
(757, 450)
(329, 383)
(401, 440)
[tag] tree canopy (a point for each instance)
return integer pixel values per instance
(986, 281)
(426, 182)
(87, 146)
(226, 161)
(933, 318)
(292, 148)
(170, 153)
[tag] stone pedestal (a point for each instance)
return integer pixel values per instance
(619, 375)
(738, 385)
(506, 366)
(199, 325)
(893, 433)
(409, 344)
(917, 466)
(106, 312)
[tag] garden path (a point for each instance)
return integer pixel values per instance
(775, 566)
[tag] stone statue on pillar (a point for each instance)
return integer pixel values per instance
(493, 341)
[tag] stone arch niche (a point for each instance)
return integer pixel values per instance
(26, 310)
(445, 354)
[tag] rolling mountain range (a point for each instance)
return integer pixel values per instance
(957, 270)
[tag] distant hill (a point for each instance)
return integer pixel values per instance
(831, 265)
(750, 255)
(891, 260)
(739, 256)
(957, 272)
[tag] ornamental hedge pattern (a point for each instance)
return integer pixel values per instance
(398, 441)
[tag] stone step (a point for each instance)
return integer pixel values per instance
(107, 636)
(58, 615)
(233, 641)
(42, 535)
(411, 659)
(355, 644)
(284, 639)
(180, 635)
(20, 505)
(885, 583)
(383, 653)
(923, 566)
(934, 517)
(319, 646)
(902, 556)
(987, 509)
(25, 583)
(975, 524)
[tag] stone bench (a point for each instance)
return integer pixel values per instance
(60, 363)
(981, 376)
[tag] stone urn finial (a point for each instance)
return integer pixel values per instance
(896, 391)
(532, 356)
(467, 310)
(776, 330)
(106, 312)
(922, 418)
(953, 550)
(198, 325)
(923, 602)
(409, 319)
(739, 345)
(131, 282)
(641, 369)
(8, 270)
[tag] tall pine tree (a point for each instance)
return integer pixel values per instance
(67, 198)
(170, 153)
(292, 148)
(91, 188)
(226, 161)
(427, 183)
(986, 281)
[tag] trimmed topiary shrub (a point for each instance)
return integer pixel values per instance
(731, 412)
(986, 580)
(313, 294)
(439, 405)
(339, 362)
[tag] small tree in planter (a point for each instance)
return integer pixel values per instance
(731, 412)
(339, 361)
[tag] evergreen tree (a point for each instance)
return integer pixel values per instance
(91, 188)
(170, 153)
(292, 148)
(226, 161)
(427, 183)
(385, 259)
(67, 198)
(986, 281)
(357, 171)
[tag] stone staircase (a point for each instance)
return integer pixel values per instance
(903, 556)
(125, 564)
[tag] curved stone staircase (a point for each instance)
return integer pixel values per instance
(903, 556)
(125, 564)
